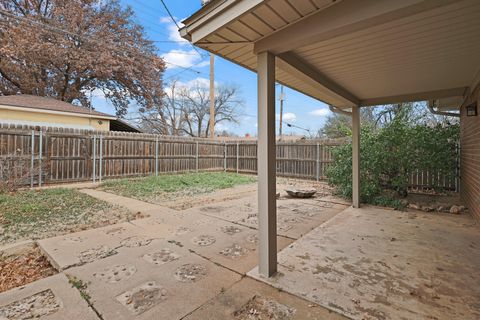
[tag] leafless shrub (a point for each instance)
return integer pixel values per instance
(16, 171)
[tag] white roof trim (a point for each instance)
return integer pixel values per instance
(64, 113)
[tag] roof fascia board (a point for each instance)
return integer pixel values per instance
(289, 62)
(71, 114)
(417, 96)
(342, 18)
(217, 18)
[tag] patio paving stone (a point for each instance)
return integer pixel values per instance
(53, 298)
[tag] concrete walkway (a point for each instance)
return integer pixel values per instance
(372, 263)
(178, 264)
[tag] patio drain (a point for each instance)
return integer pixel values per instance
(97, 253)
(230, 230)
(234, 251)
(35, 306)
(116, 273)
(261, 308)
(142, 298)
(190, 272)
(135, 241)
(161, 257)
(204, 240)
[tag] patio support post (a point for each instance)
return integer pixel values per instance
(356, 156)
(267, 211)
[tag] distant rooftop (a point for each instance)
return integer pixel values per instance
(51, 104)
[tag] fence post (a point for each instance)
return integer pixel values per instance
(196, 157)
(94, 147)
(225, 157)
(457, 167)
(100, 166)
(318, 162)
(238, 156)
(32, 159)
(40, 151)
(156, 155)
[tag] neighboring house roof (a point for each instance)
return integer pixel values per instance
(50, 104)
(45, 104)
(121, 125)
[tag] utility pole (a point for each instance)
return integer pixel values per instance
(212, 96)
(281, 98)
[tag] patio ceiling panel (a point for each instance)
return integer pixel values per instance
(432, 51)
(381, 51)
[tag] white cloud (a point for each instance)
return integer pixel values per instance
(288, 116)
(165, 20)
(172, 29)
(320, 112)
(178, 58)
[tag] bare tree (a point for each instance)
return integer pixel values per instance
(186, 109)
(167, 118)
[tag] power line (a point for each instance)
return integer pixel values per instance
(169, 13)
(294, 126)
(175, 22)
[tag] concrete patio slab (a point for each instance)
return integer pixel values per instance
(373, 263)
(52, 298)
(157, 281)
(86, 246)
(233, 303)
(295, 217)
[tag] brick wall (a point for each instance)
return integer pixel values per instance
(470, 156)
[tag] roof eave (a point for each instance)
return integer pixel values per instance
(47, 111)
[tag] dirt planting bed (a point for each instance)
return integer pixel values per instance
(22, 267)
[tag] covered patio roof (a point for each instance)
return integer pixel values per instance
(349, 53)
(346, 53)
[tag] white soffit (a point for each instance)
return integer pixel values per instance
(428, 51)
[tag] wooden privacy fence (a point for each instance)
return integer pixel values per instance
(54, 155)
(36, 156)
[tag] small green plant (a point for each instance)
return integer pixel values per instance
(81, 286)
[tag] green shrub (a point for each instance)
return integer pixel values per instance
(390, 154)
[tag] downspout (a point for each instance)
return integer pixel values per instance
(431, 105)
(339, 111)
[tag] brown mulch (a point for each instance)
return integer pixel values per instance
(19, 269)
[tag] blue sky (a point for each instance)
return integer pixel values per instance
(299, 109)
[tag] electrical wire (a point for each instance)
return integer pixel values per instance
(294, 126)
(178, 26)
